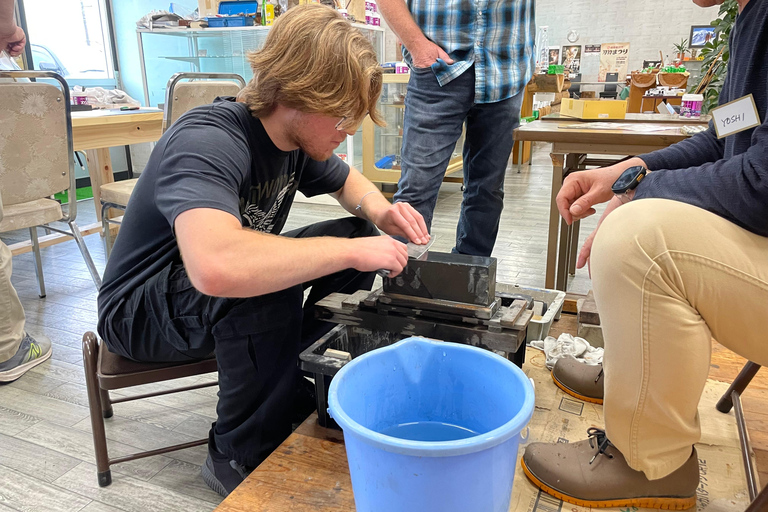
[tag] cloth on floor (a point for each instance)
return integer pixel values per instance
(568, 345)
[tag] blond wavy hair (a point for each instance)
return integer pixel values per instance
(316, 62)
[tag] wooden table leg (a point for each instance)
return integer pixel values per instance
(558, 164)
(100, 171)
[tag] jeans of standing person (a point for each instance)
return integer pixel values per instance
(256, 341)
(668, 277)
(434, 117)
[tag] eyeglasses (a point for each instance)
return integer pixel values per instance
(342, 121)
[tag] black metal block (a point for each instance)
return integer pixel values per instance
(447, 276)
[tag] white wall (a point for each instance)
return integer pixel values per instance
(648, 25)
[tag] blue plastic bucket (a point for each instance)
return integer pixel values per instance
(421, 389)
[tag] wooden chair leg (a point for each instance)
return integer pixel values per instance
(90, 359)
(725, 404)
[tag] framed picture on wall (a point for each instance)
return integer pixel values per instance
(701, 35)
(572, 59)
(554, 55)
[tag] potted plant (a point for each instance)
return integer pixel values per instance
(681, 48)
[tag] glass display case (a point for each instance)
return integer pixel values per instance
(381, 145)
(166, 51)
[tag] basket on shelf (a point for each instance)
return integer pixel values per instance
(675, 80)
(643, 80)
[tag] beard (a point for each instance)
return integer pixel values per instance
(301, 137)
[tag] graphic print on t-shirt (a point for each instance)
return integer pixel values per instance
(255, 214)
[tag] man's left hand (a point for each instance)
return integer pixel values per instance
(401, 219)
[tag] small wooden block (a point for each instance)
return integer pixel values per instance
(588, 311)
(592, 333)
(353, 301)
(338, 354)
(512, 313)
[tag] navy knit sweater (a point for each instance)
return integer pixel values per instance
(729, 176)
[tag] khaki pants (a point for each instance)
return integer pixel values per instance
(667, 278)
(11, 312)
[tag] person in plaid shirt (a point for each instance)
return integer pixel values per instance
(470, 61)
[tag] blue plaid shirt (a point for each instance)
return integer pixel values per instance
(497, 36)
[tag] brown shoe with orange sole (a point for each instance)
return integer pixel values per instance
(593, 473)
(579, 380)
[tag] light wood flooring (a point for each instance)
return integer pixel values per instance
(46, 450)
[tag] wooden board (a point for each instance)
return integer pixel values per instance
(307, 472)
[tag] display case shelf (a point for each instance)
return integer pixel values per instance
(383, 143)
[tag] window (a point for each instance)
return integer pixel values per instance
(70, 37)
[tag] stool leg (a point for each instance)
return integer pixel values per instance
(106, 403)
(90, 358)
(739, 385)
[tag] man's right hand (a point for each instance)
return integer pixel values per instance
(425, 54)
(583, 189)
(373, 253)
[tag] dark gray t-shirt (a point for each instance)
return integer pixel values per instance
(215, 156)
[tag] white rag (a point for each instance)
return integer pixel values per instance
(568, 345)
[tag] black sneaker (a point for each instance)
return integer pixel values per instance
(221, 474)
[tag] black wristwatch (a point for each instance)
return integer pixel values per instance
(629, 179)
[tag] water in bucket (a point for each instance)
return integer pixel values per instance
(431, 426)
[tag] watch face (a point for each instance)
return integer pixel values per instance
(627, 179)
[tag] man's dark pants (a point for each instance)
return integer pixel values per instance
(256, 341)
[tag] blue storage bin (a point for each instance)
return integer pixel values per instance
(235, 14)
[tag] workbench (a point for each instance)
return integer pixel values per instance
(571, 141)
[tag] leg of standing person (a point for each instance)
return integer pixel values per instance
(663, 291)
(432, 123)
(18, 351)
(256, 341)
(487, 147)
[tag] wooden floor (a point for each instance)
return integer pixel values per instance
(46, 450)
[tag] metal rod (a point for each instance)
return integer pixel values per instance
(160, 393)
(746, 446)
(159, 451)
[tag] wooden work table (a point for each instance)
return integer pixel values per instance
(308, 472)
(96, 131)
(572, 140)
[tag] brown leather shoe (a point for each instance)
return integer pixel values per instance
(593, 473)
(584, 381)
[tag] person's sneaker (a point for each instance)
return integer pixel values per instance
(581, 380)
(31, 353)
(222, 474)
(593, 473)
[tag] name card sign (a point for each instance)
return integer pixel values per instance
(735, 116)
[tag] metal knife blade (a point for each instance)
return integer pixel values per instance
(419, 251)
(415, 252)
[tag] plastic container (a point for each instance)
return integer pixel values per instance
(691, 105)
(418, 390)
(538, 328)
(234, 14)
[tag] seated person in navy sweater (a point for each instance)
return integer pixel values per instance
(676, 261)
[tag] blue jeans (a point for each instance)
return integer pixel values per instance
(433, 121)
